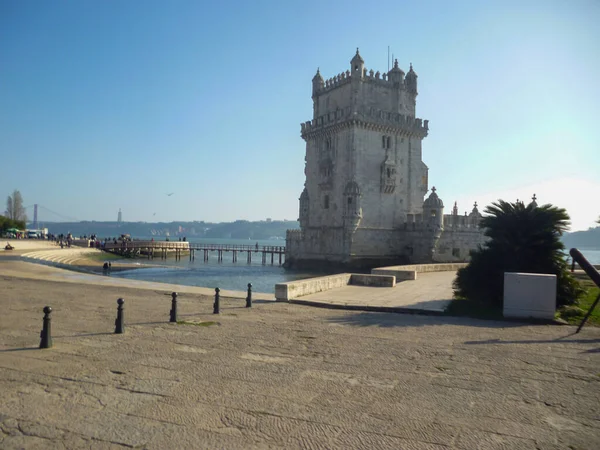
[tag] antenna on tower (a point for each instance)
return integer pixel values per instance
(388, 58)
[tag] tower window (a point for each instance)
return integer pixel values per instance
(386, 141)
(349, 200)
(326, 202)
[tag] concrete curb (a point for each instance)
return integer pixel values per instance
(385, 309)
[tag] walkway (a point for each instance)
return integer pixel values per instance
(284, 376)
(430, 292)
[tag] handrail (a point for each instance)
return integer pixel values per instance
(594, 276)
(129, 245)
(585, 265)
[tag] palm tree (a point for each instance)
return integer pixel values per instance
(521, 239)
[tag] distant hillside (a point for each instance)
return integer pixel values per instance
(240, 229)
(583, 239)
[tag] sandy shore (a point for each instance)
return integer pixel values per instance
(280, 375)
(14, 267)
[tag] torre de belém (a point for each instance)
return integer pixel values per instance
(362, 204)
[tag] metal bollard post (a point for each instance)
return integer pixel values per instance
(249, 297)
(216, 304)
(120, 322)
(174, 307)
(46, 334)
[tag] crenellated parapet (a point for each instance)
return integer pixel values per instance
(372, 118)
(333, 83)
(293, 236)
(394, 79)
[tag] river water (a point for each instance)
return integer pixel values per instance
(234, 276)
(224, 275)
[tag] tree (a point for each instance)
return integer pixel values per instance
(521, 239)
(6, 224)
(14, 207)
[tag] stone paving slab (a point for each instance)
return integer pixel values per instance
(281, 375)
(430, 292)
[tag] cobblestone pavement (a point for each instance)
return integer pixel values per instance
(284, 376)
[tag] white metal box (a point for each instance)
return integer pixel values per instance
(529, 295)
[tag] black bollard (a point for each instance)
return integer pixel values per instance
(174, 307)
(249, 297)
(120, 322)
(216, 304)
(46, 334)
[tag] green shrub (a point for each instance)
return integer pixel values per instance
(521, 239)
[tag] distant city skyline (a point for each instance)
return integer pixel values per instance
(192, 111)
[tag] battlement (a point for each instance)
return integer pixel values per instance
(369, 76)
(402, 123)
(293, 234)
(461, 223)
(332, 83)
(416, 222)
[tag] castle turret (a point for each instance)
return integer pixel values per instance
(357, 66)
(433, 210)
(304, 209)
(396, 75)
(533, 201)
(352, 209)
(411, 81)
(317, 83)
(475, 216)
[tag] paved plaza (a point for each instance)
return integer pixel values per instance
(430, 292)
(284, 376)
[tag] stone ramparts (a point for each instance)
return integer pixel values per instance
(409, 272)
(294, 289)
(403, 122)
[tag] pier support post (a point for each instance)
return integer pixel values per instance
(120, 321)
(46, 334)
(249, 297)
(173, 317)
(216, 305)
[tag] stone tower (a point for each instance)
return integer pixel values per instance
(364, 169)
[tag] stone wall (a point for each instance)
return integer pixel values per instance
(294, 289)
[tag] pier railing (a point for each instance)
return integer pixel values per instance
(163, 248)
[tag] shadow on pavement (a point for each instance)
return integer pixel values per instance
(18, 349)
(389, 320)
(537, 341)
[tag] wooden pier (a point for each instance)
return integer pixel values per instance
(162, 249)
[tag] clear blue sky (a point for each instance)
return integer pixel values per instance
(112, 104)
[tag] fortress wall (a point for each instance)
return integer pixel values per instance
(454, 246)
(375, 242)
(318, 243)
